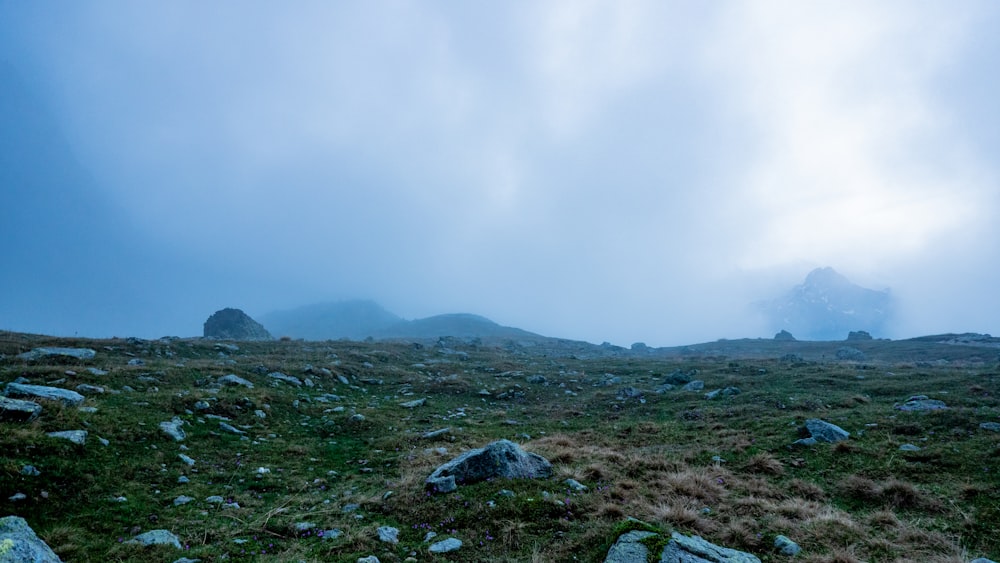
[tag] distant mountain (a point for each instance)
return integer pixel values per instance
(462, 325)
(827, 306)
(356, 320)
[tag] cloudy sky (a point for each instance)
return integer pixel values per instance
(622, 170)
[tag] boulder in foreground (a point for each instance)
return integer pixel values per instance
(19, 544)
(503, 459)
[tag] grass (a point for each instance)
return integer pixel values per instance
(723, 469)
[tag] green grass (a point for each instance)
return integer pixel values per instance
(722, 469)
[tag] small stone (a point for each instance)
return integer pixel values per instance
(576, 485)
(215, 499)
(183, 480)
(17, 410)
(75, 436)
(445, 546)
(136, 362)
(413, 404)
(304, 526)
(233, 380)
(369, 559)
(991, 426)
(330, 534)
(30, 471)
(17, 497)
(230, 428)
(388, 534)
(186, 459)
(909, 448)
(157, 537)
(173, 429)
(786, 546)
(183, 499)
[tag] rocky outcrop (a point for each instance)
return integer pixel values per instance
(18, 543)
(503, 459)
(234, 324)
(39, 353)
(16, 410)
(784, 336)
(680, 549)
(822, 431)
(23, 390)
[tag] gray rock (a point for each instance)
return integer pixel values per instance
(39, 353)
(991, 426)
(330, 534)
(823, 431)
(388, 534)
(679, 377)
(230, 428)
(136, 362)
(982, 560)
(17, 497)
(369, 559)
(503, 459)
(18, 410)
(629, 393)
(693, 549)
(628, 549)
(186, 560)
(98, 372)
(173, 429)
(850, 354)
(88, 389)
(234, 324)
(575, 485)
(186, 459)
(30, 471)
(278, 376)
(19, 544)
(157, 537)
(215, 499)
(183, 499)
(696, 385)
(921, 403)
(909, 448)
(233, 379)
(661, 389)
(786, 546)
(727, 392)
(413, 404)
(539, 379)
(444, 546)
(304, 526)
(435, 433)
(75, 436)
(805, 442)
(22, 390)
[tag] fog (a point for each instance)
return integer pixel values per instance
(603, 171)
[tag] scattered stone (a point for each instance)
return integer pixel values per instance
(183, 499)
(357, 418)
(17, 497)
(186, 459)
(225, 427)
(629, 393)
(921, 403)
(98, 372)
(183, 479)
(786, 546)
(436, 433)
(629, 548)
(693, 549)
(576, 485)
(75, 436)
(503, 459)
(851, 354)
(136, 362)
(858, 335)
(678, 377)
(991, 426)
(18, 543)
(88, 410)
(186, 560)
(78, 353)
(304, 526)
(444, 546)
(201, 406)
(173, 429)
(22, 390)
(30, 471)
(88, 389)
(539, 379)
(696, 385)
(909, 448)
(278, 376)
(233, 380)
(413, 404)
(822, 431)
(661, 389)
(215, 499)
(234, 324)
(727, 392)
(388, 534)
(18, 410)
(369, 559)
(157, 537)
(330, 534)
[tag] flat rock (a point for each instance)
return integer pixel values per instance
(388, 534)
(172, 428)
(233, 379)
(629, 549)
(921, 403)
(694, 549)
(39, 353)
(444, 546)
(413, 404)
(823, 431)
(23, 390)
(278, 376)
(75, 436)
(991, 426)
(157, 537)
(503, 459)
(18, 410)
(786, 546)
(19, 544)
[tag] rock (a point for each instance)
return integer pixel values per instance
(444, 546)
(173, 429)
(330, 534)
(75, 436)
(535, 379)
(22, 390)
(157, 537)
(232, 379)
(575, 485)
(215, 499)
(982, 560)
(98, 372)
(18, 543)
(921, 403)
(413, 404)
(727, 392)
(17, 410)
(183, 499)
(230, 428)
(629, 393)
(369, 559)
(852, 354)
(858, 335)
(88, 389)
(678, 377)
(234, 324)
(693, 549)
(696, 385)
(136, 362)
(186, 560)
(503, 459)
(304, 526)
(278, 376)
(30, 471)
(784, 336)
(823, 431)
(786, 546)
(186, 459)
(78, 353)
(991, 426)
(435, 433)
(909, 448)
(629, 549)
(17, 497)
(388, 534)
(661, 389)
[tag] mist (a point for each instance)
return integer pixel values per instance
(602, 171)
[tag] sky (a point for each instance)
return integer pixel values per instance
(614, 171)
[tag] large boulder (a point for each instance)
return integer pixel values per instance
(23, 390)
(680, 549)
(234, 324)
(503, 459)
(19, 544)
(629, 548)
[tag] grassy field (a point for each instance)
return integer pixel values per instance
(723, 469)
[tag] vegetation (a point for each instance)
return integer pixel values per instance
(723, 469)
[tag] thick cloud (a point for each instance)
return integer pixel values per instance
(599, 170)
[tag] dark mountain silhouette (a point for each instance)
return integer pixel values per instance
(355, 319)
(462, 325)
(827, 306)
